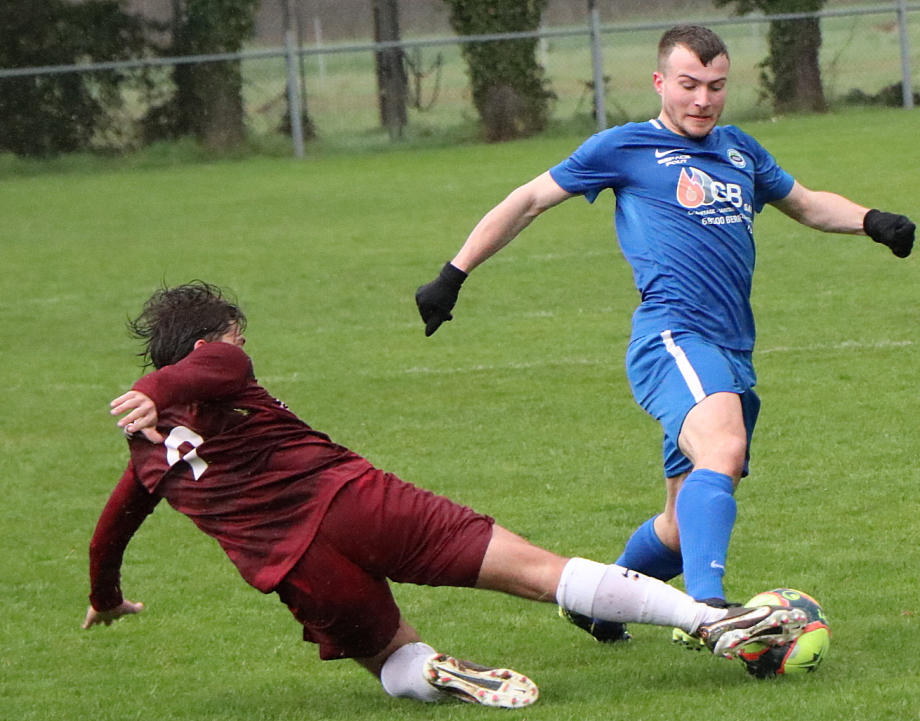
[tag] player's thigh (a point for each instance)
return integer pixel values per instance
(715, 426)
(346, 611)
(671, 373)
(399, 531)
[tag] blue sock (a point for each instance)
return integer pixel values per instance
(646, 554)
(706, 513)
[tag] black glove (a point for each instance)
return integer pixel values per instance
(436, 299)
(895, 231)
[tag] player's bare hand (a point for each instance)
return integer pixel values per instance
(141, 415)
(95, 618)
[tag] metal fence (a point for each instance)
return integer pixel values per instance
(864, 50)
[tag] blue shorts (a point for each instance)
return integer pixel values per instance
(671, 372)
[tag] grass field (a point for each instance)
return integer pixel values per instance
(518, 407)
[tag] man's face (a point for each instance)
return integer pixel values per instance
(692, 94)
(233, 336)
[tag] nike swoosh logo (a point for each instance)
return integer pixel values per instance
(716, 564)
(662, 153)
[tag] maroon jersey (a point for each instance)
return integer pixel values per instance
(246, 470)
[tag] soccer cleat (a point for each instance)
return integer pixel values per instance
(473, 683)
(603, 631)
(720, 603)
(695, 643)
(692, 643)
(772, 625)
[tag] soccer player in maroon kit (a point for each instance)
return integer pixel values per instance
(303, 517)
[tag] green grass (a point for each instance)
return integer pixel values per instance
(518, 407)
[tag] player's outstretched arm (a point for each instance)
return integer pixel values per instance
(833, 213)
(499, 227)
(126, 608)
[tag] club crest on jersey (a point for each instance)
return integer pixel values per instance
(695, 188)
(736, 158)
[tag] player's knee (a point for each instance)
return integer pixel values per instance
(726, 455)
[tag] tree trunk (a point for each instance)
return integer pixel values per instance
(210, 103)
(392, 82)
(208, 98)
(509, 90)
(793, 71)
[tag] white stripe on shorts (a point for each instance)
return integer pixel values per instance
(683, 365)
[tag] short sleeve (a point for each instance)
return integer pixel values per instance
(591, 168)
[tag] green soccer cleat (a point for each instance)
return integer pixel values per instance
(691, 643)
(472, 683)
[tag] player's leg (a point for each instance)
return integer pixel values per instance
(409, 668)
(702, 396)
(406, 635)
(516, 566)
(379, 527)
(654, 548)
(713, 436)
(606, 592)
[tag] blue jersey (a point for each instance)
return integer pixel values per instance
(684, 218)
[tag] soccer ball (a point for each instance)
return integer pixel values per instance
(803, 655)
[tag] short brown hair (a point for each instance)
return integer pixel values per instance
(699, 40)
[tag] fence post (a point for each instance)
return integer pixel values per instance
(907, 90)
(293, 84)
(597, 62)
(318, 34)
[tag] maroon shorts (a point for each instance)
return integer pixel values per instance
(377, 528)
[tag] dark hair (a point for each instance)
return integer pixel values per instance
(174, 318)
(699, 40)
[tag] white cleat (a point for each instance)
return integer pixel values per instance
(470, 682)
(772, 625)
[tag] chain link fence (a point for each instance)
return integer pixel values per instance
(867, 56)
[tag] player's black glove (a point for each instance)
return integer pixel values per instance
(895, 231)
(436, 299)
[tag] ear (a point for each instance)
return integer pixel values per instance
(198, 343)
(657, 81)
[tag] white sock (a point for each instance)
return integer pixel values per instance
(614, 593)
(403, 674)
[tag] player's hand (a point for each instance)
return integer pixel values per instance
(95, 618)
(436, 300)
(895, 231)
(141, 415)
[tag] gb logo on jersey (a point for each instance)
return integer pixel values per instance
(695, 188)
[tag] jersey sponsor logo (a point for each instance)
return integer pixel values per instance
(667, 157)
(736, 158)
(695, 189)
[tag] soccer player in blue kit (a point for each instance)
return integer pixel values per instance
(686, 193)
